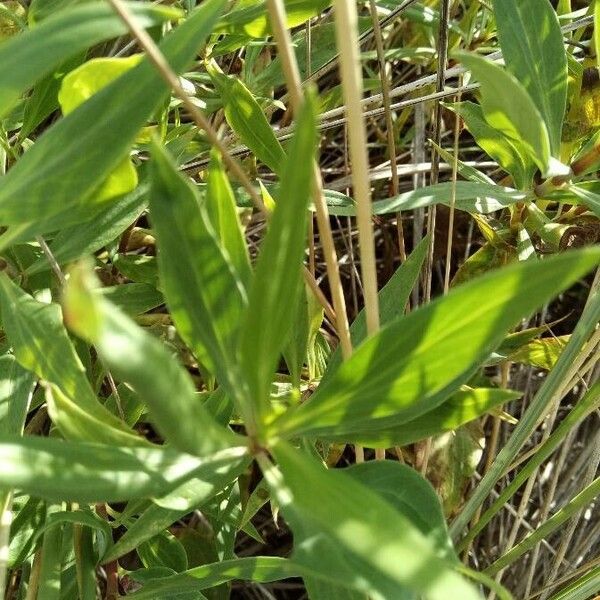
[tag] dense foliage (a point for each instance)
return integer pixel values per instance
(193, 200)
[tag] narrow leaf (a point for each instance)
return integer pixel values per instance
(204, 294)
(86, 473)
(278, 270)
(247, 119)
(41, 344)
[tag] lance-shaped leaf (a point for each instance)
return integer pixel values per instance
(534, 52)
(461, 408)
(94, 138)
(205, 296)
(98, 229)
(386, 551)
(470, 196)
(222, 212)
(508, 153)
(247, 119)
(143, 361)
(65, 34)
(16, 386)
(41, 344)
(414, 364)
(253, 568)
(67, 471)
(509, 108)
(278, 270)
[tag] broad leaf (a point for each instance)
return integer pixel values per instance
(278, 270)
(143, 361)
(83, 472)
(508, 153)
(509, 108)
(534, 52)
(414, 364)
(386, 551)
(411, 495)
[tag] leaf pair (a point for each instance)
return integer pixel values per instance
(236, 323)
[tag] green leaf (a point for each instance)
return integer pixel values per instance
(189, 496)
(590, 198)
(414, 364)
(581, 589)
(386, 551)
(462, 407)
(533, 50)
(163, 550)
(51, 563)
(584, 498)
(509, 154)
(80, 85)
(133, 298)
(261, 568)
(41, 344)
(251, 18)
(96, 231)
(63, 35)
(584, 407)
(393, 298)
(508, 107)
(278, 269)
(143, 361)
(411, 495)
(222, 213)
(247, 119)
(205, 297)
(542, 353)
(16, 386)
(86, 473)
(470, 196)
(48, 183)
